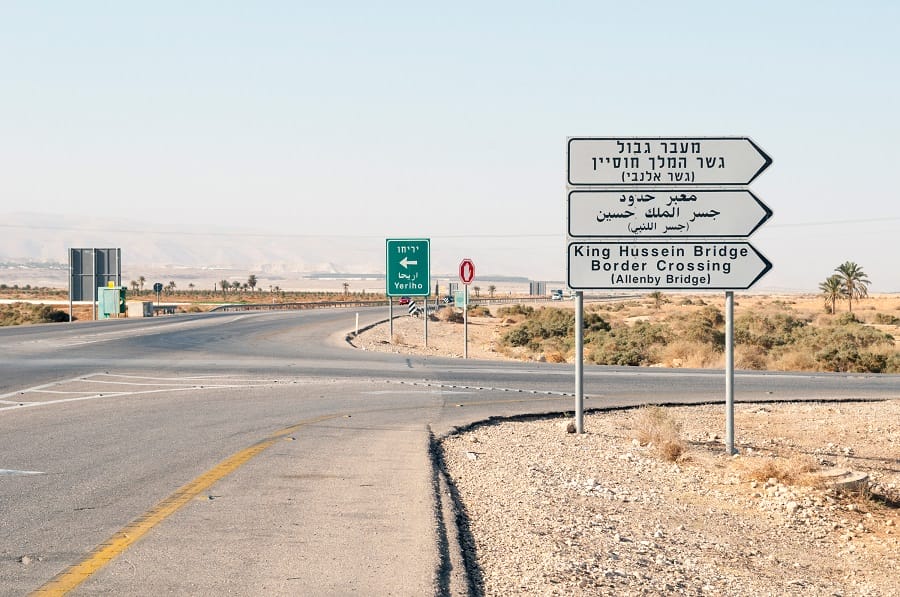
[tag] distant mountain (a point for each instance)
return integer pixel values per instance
(27, 237)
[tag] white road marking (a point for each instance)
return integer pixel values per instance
(12, 472)
(187, 384)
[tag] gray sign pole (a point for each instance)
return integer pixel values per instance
(425, 305)
(71, 257)
(94, 285)
(466, 324)
(391, 319)
(729, 372)
(579, 361)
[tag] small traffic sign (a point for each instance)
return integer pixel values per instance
(646, 161)
(665, 213)
(459, 299)
(407, 270)
(466, 271)
(157, 288)
(704, 265)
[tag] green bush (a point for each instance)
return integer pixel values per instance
(518, 336)
(25, 313)
(846, 318)
(705, 326)
(886, 319)
(766, 331)
(479, 311)
(626, 345)
(546, 323)
(511, 310)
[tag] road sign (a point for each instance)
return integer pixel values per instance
(664, 161)
(157, 288)
(665, 213)
(703, 265)
(408, 268)
(459, 299)
(466, 271)
(414, 309)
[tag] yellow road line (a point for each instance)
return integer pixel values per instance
(133, 531)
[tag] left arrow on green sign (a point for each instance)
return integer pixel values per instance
(407, 267)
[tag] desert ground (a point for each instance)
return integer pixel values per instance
(646, 502)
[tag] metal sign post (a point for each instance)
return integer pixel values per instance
(466, 324)
(407, 272)
(579, 362)
(729, 372)
(466, 275)
(681, 192)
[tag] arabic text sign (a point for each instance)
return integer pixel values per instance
(643, 161)
(408, 271)
(665, 213)
(664, 266)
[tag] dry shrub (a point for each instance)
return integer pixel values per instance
(795, 360)
(654, 427)
(750, 357)
(450, 315)
(555, 356)
(684, 353)
(792, 470)
(398, 338)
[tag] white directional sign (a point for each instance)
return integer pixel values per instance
(668, 213)
(664, 266)
(643, 161)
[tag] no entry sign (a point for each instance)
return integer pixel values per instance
(466, 271)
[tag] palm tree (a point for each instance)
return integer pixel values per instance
(251, 281)
(171, 286)
(832, 290)
(346, 288)
(491, 290)
(854, 280)
(476, 290)
(134, 285)
(141, 280)
(225, 284)
(191, 286)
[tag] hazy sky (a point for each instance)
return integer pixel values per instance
(447, 120)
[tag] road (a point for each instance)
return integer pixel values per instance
(251, 453)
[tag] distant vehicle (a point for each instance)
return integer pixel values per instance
(447, 300)
(556, 295)
(404, 300)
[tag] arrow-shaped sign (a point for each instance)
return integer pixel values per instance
(665, 213)
(644, 161)
(407, 262)
(665, 266)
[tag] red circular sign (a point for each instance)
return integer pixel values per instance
(466, 271)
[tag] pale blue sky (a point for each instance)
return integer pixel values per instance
(448, 120)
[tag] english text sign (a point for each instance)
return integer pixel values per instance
(664, 266)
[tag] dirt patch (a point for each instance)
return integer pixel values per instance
(444, 338)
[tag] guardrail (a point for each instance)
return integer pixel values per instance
(337, 304)
(296, 306)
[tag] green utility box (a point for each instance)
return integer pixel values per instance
(110, 301)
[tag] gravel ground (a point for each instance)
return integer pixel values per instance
(547, 512)
(553, 513)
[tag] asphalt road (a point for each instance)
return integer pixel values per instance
(259, 453)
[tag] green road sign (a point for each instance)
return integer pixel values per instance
(408, 271)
